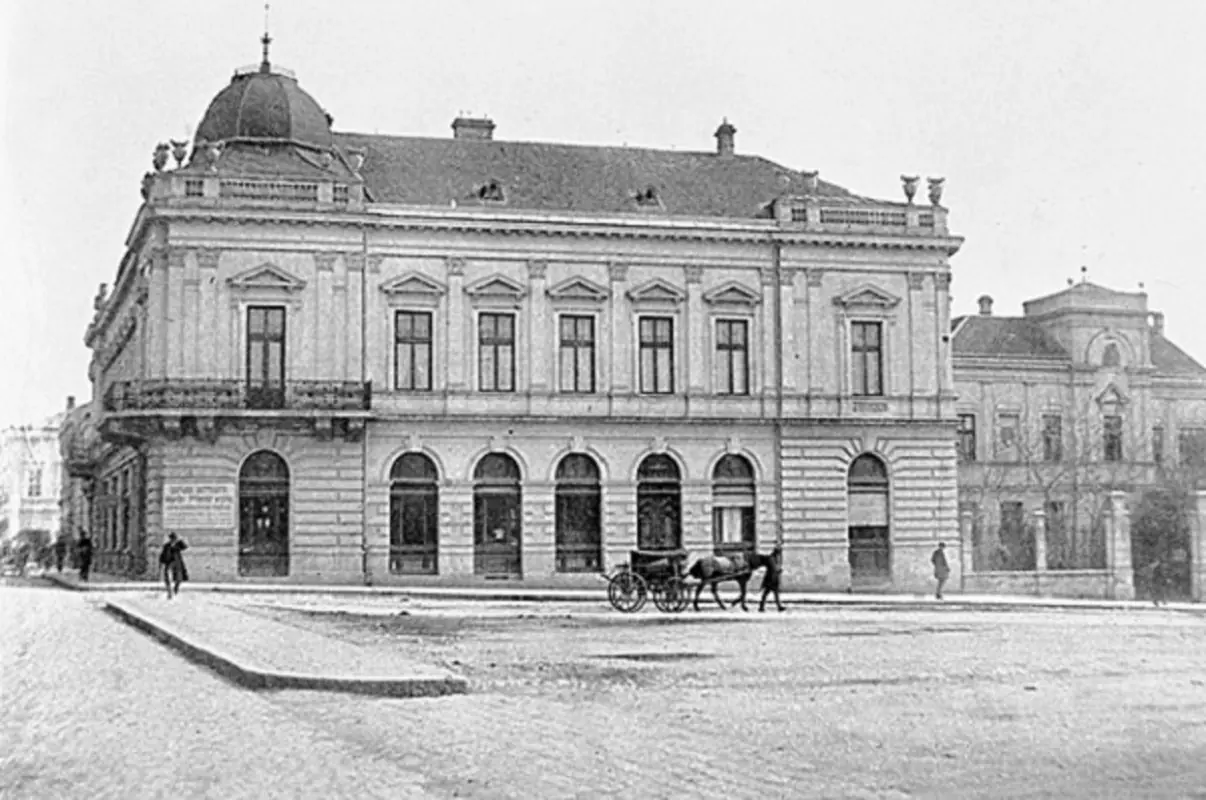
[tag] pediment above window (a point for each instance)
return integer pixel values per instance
(414, 283)
(496, 289)
(656, 292)
(1112, 396)
(732, 293)
(267, 276)
(868, 297)
(578, 290)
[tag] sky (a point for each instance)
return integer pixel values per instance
(1070, 134)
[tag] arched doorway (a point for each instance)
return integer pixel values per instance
(497, 517)
(870, 545)
(579, 518)
(733, 506)
(659, 504)
(264, 515)
(414, 512)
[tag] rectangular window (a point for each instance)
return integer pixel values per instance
(33, 482)
(1015, 550)
(496, 352)
(1053, 437)
(1192, 445)
(1059, 546)
(577, 351)
(1007, 437)
(866, 345)
(967, 437)
(1112, 437)
(266, 356)
(657, 355)
(412, 351)
(1158, 444)
(732, 357)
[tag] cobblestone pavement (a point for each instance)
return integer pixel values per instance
(574, 701)
(92, 708)
(813, 703)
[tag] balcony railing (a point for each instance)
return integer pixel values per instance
(235, 395)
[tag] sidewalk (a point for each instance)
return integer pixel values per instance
(261, 654)
(104, 583)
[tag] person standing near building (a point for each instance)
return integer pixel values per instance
(60, 552)
(83, 554)
(942, 570)
(171, 558)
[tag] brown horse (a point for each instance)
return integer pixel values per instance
(739, 567)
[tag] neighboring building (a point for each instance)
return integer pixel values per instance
(1068, 415)
(29, 480)
(81, 450)
(348, 357)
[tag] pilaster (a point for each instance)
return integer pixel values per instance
(539, 338)
(787, 314)
(621, 355)
(1118, 549)
(456, 354)
(1197, 546)
(1040, 541)
(696, 334)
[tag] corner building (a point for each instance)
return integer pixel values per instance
(366, 358)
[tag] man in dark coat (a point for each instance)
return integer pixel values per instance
(942, 570)
(770, 578)
(60, 552)
(83, 554)
(171, 559)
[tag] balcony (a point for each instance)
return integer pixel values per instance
(814, 214)
(134, 410)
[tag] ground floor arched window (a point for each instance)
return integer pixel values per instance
(870, 548)
(414, 514)
(264, 515)
(578, 515)
(733, 506)
(659, 504)
(497, 517)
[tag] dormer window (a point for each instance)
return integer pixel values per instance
(491, 192)
(647, 198)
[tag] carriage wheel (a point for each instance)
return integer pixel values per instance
(671, 595)
(626, 591)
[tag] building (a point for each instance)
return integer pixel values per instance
(1070, 416)
(29, 481)
(347, 357)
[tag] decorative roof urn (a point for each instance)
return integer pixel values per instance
(936, 185)
(159, 160)
(909, 182)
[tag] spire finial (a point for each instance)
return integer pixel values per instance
(266, 40)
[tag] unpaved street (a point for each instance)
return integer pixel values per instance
(576, 700)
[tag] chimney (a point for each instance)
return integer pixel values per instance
(1157, 323)
(480, 128)
(985, 305)
(70, 402)
(724, 139)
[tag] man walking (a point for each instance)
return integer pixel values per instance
(942, 570)
(83, 554)
(172, 559)
(770, 578)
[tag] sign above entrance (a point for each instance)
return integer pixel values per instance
(198, 505)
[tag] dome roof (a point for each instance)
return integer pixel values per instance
(267, 105)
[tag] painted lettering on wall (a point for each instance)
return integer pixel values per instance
(198, 505)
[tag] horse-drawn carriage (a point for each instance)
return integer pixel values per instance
(662, 575)
(657, 573)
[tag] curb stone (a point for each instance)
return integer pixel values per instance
(261, 679)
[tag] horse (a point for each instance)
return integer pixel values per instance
(739, 567)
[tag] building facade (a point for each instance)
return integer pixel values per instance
(29, 481)
(365, 358)
(1073, 419)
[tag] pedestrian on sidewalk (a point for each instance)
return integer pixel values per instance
(942, 570)
(1156, 582)
(770, 578)
(60, 552)
(172, 560)
(83, 554)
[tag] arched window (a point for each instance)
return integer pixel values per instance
(264, 515)
(414, 514)
(659, 504)
(497, 517)
(1110, 356)
(579, 517)
(869, 541)
(733, 505)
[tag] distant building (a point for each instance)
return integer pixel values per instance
(29, 480)
(1068, 416)
(367, 358)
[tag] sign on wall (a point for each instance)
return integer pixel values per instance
(198, 505)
